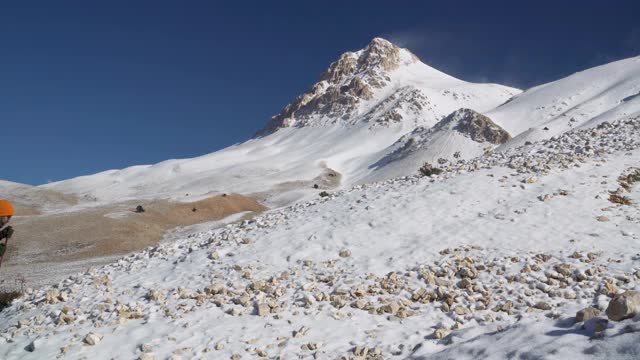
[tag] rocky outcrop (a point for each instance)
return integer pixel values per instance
(477, 127)
(405, 100)
(347, 82)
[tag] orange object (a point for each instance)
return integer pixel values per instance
(6, 209)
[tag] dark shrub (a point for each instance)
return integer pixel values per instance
(6, 297)
(427, 170)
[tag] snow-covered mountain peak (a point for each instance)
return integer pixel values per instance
(347, 122)
(383, 84)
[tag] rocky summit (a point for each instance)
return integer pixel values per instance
(348, 81)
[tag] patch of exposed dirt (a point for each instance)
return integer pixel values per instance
(113, 230)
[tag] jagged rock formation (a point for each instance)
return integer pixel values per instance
(344, 85)
(476, 126)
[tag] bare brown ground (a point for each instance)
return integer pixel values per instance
(108, 231)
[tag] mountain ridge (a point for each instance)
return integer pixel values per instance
(362, 86)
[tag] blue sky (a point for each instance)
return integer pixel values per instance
(88, 86)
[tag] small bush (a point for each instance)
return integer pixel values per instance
(6, 297)
(324, 194)
(139, 209)
(627, 181)
(632, 177)
(427, 170)
(619, 199)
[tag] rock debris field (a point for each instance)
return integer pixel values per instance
(529, 253)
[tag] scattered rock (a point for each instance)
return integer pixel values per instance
(624, 306)
(587, 314)
(440, 333)
(92, 339)
(542, 306)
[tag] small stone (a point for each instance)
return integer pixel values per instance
(441, 333)
(531, 180)
(542, 306)
(392, 308)
(545, 197)
(587, 314)
(65, 319)
(609, 289)
(261, 353)
(31, 347)
(460, 310)
(602, 218)
(154, 295)
(564, 269)
(52, 295)
(92, 339)
(215, 289)
(345, 253)
(464, 283)
(219, 346)
(146, 356)
(263, 309)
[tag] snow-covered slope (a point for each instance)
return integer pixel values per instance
(362, 105)
(465, 134)
(584, 99)
(373, 116)
(490, 260)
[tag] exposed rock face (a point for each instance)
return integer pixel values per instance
(624, 306)
(407, 99)
(347, 82)
(478, 127)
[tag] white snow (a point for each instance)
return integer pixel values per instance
(486, 213)
(584, 99)
(421, 94)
